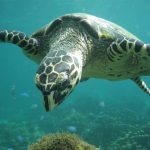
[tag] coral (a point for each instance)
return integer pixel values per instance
(61, 141)
(138, 139)
(14, 135)
(105, 129)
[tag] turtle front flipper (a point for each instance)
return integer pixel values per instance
(132, 55)
(29, 45)
(123, 48)
(141, 84)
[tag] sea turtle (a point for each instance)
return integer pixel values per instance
(79, 46)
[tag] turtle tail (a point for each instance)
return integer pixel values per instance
(29, 45)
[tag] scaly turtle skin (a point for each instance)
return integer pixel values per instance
(76, 45)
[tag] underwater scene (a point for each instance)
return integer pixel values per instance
(99, 114)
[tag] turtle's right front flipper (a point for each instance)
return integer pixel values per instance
(29, 45)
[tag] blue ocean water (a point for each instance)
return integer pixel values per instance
(100, 111)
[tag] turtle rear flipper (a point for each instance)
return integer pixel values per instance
(141, 84)
(29, 45)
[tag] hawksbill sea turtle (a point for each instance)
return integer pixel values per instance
(78, 46)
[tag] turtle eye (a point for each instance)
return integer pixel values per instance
(65, 84)
(63, 76)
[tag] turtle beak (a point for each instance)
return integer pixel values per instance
(46, 102)
(54, 98)
(49, 102)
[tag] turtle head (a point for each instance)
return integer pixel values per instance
(57, 76)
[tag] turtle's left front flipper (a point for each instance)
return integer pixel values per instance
(132, 53)
(122, 48)
(141, 84)
(29, 45)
